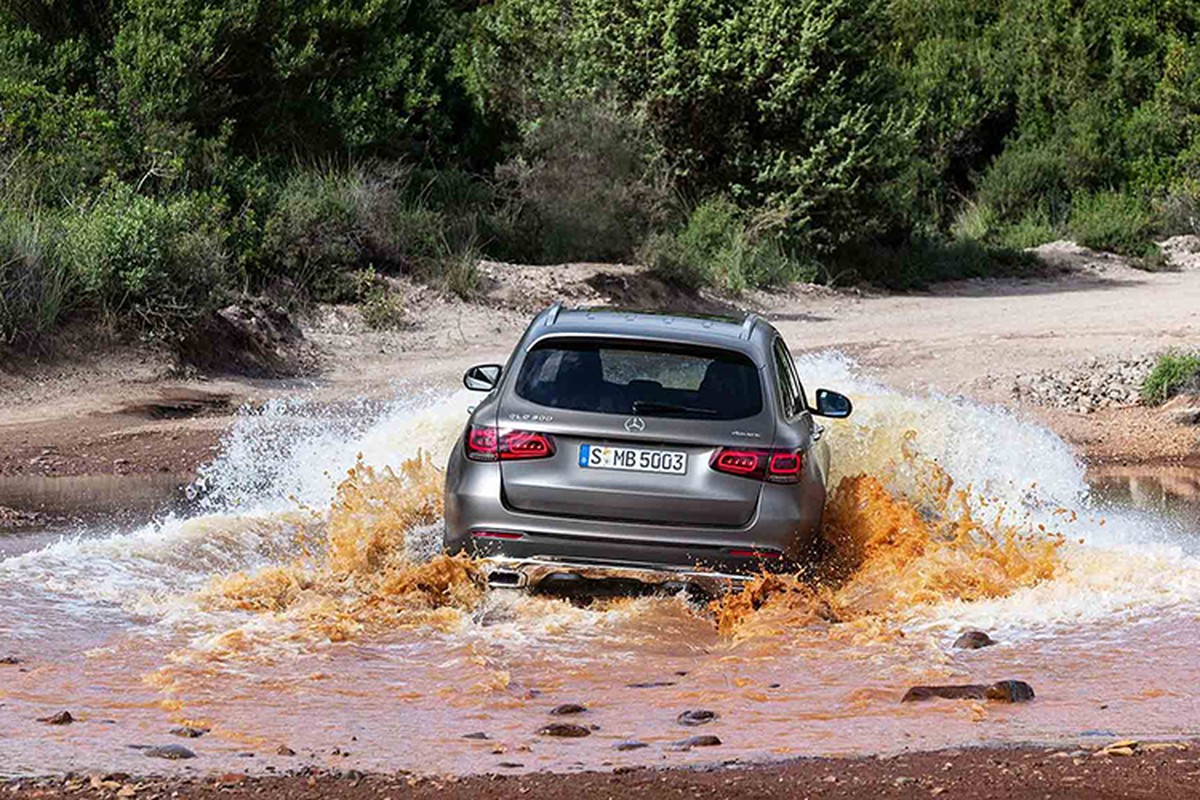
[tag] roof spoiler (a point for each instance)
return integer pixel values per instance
(552, 313)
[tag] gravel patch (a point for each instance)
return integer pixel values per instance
(1086, 387)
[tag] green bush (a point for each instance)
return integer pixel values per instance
(717, 248)
(587, 185)
(918, 263)
(1173, 373)
(328, 223)
(1031, 230)
(1113, 221)
(159, 263)
(1027, 177)
(35, 288)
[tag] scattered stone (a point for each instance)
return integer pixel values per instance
(61, 718)
(9, 661)
(563, 729)
(510, 764)
(566, 709)
(699, 716)
(1002, 691)
(284, 750)
(171, 752)
(630, 745)
(188, 732)
(973, 640)
(694, 741)
(476, 735)
(649, 685)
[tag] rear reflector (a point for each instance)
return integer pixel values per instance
(776, 466)
(485, 443)
(756, 554)
(497, 535)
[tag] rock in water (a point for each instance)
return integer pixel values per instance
(969, 692)
(1001, 691)
(699, 716)
(61, 718)
(566, 709)
(973, 640)
(626, 746)
(172, 752)
(188, 732)
(563, 729)
(1010, 692)
(694, 741)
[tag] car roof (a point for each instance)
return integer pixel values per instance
(744, 332)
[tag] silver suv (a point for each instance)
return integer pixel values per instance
(664, 450)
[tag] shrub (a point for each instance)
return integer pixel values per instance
(383, 310)
(328, 223)
(1027, 177)
(926, 260)
(34, 285)
(1113, 221)
(588, 184)
(717, 248)
(1031, 230)
(159, 263)
(1173, 373)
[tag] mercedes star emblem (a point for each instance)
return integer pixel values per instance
(635, 424)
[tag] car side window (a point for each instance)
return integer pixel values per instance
(789, 384)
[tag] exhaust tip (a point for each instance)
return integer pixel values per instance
(506, 578)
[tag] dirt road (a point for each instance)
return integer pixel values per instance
(123, 411)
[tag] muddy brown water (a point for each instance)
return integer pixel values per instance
(275, 611)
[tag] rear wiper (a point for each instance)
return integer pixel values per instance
(650, 407)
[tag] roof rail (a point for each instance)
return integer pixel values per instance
(748, 326)
(552, 313)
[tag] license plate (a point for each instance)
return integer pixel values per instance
(594, 456)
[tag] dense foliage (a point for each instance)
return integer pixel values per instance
(159, 156)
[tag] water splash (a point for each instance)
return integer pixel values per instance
(307, 585)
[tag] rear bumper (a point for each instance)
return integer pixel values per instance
(516, 573)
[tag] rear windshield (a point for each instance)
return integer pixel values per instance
(655, 380)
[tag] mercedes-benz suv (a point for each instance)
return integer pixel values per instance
(669, 450)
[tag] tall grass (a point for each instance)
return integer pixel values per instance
(35, 286)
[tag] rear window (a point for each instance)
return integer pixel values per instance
(647, 380)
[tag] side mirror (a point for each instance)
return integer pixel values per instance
(833, 404)
(482, 377)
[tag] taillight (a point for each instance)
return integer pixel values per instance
(485, 443)
(776, 466)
